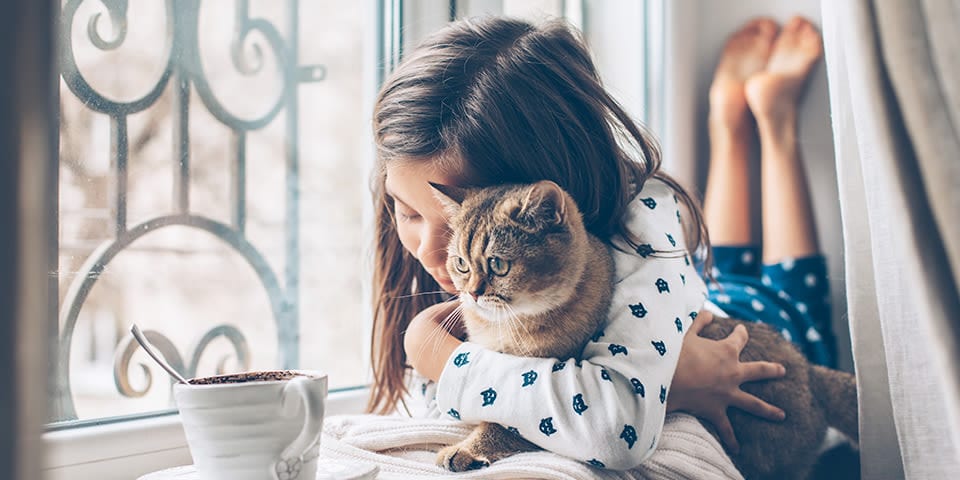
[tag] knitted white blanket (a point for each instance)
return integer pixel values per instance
(405, 448)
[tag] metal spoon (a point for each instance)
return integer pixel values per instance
(142, 340)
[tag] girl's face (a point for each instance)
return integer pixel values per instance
(421, 220)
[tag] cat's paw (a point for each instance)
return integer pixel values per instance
(458, 459)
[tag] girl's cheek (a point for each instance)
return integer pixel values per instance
(408, 240)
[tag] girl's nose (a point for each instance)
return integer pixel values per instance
(433, 248)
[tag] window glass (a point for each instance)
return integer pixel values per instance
(533, 10)
(213, 190)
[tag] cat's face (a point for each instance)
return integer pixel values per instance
(509, 253)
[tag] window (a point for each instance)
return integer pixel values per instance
(212, 189)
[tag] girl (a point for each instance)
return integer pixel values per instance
(501, 101)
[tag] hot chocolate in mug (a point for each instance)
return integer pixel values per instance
(254, 425)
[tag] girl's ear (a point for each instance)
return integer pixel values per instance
(449, 196)
(544, 202)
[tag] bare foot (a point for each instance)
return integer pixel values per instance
(774, 91)
(744, 55)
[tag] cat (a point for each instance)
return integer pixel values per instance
(539, 262)
(570, 269)
(814, 397)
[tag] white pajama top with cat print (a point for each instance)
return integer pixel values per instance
(608, 408)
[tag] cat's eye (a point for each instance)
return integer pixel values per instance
(461, 265)
(498, 266)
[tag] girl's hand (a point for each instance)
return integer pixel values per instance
(428, 341)
(708, 378)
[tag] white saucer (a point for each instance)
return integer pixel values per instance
(326, 470)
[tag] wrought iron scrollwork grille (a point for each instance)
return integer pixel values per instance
(184, 75)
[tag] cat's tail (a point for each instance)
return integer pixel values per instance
(837, 393)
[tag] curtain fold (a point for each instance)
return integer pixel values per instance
(28, 160)
(892, 71)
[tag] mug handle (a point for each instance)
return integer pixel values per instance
(291, 460)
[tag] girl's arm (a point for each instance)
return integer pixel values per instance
(609, 408)
(428, 343)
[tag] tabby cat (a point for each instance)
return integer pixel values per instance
(532, 252)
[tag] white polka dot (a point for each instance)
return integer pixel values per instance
(723, 298)
(766, 280)
(783, 295)
(746, 258)
(802, 307)
(750, 290)
(784, 315)
(810, 279)
(787, 264)
(757, 305)
(715, 272)
(813, 335)
(786, 334)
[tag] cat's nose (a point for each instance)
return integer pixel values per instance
(477, 292)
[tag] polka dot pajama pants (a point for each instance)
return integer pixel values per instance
(792, 296)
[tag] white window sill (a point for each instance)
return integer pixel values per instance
(126, 450)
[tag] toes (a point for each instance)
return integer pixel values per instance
(801, 31)
(810, 37)
(795, 24)
(746, 50)
(764, 26)
(758, 27)
(796, 48)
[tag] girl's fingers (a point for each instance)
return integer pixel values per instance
(703, 319)
(738, 337)
(754, 405)
(754, 371)
(725, 432)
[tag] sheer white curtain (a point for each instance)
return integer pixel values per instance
(895, 100)
(27, 158)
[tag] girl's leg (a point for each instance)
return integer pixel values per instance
(727, 202)
(787, 218)
(792, 263)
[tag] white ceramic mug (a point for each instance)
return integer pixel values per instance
(254, 425)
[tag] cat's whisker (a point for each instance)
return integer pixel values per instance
(444, 249)
(435, 333)
(451, 319)
(432, 338)
(514, 333)
(500, 321)
(499, 326)
(419, 293)
(509, 323)
(514, 318)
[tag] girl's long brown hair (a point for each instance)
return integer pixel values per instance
(500, 101)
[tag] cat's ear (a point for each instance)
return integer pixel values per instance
(545, 201)
(449, 196)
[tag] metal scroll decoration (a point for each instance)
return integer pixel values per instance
(184, 74)
(121, 365)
